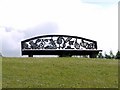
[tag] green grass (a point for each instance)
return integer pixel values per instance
(59, 73)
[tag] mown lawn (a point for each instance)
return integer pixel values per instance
(59, 73)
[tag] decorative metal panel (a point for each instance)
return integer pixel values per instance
(58, 42)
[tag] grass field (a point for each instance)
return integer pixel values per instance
(59, 73)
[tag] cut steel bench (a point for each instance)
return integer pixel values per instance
(62, 45)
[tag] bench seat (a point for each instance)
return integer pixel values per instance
(91, 53)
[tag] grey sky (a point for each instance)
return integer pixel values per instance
(11, 42)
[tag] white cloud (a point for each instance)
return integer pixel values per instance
(63, 17)
(11, 42)
(22, 14)
(99, 1)
(95, 23)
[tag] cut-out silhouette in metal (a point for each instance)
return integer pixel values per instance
(57, 42)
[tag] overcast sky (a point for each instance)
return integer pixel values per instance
(92, 19)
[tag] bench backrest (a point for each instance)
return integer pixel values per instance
(57, 42)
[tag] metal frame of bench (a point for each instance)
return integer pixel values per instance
(59, 45)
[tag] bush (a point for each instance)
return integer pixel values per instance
(100, 55)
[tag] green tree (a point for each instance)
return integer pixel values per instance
(111, 55)
(118, 55)
(107, 56)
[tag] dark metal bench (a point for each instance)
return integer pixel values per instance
(62, 45)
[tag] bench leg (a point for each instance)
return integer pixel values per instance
(93, 55)
(65, 55)
(30, 55)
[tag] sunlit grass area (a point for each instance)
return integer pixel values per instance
(59, 73)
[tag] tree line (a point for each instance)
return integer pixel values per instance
(110, 55)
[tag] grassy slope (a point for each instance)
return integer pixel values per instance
(59, 72)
